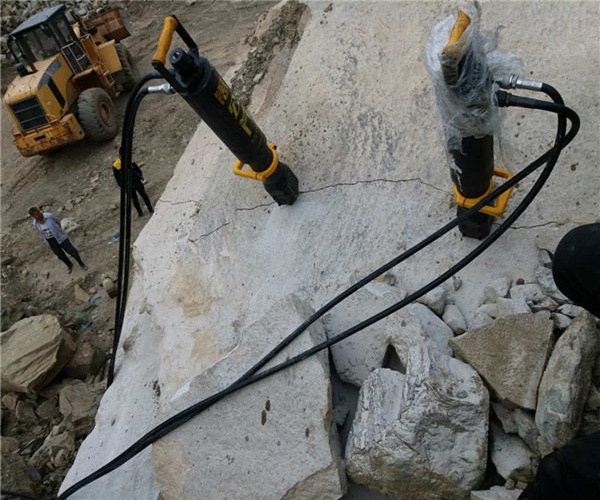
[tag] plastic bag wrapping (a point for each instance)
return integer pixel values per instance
(462, 74)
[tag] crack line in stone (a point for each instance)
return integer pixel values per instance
(395, 181)
(549, 223)
(209, 233)
(348, 184)
(255, 207)
(197, 203)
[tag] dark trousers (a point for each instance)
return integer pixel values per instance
(571, 472)
(59, 250)
(576, 267)
(139, 187)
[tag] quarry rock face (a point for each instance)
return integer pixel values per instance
(276, 439)
(222, 275)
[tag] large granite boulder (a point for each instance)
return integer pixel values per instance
(34, 350)
(421, 435)
(79, 404)
(275, 439)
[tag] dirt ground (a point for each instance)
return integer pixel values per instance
(77, 183)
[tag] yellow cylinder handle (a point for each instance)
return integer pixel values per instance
(460, 26)
(164, 42)
(238, 167)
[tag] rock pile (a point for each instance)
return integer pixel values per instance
(526, 373)
(51, 387)
(421, 407)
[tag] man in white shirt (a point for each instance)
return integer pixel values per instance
(49, 227)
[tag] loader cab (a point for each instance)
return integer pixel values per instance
(42, 36)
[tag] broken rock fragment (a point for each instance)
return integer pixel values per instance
(423, 435)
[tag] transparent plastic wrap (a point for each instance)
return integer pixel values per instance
(463, 63)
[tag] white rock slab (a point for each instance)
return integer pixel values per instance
(275, 439)
(522, 423)
(511, 456)
(496, 493)
(454, 318)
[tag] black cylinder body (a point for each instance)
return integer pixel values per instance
(474, 166)
(207, 93)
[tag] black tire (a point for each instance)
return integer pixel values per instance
(97, 115)
(129, 75)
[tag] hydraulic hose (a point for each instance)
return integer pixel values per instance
(430, 286)
(125, 213)
(251, 376)
(430, 239)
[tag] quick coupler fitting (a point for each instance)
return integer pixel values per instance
(164, 88)
(516, 82)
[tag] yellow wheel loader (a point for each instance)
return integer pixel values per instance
(70, 70)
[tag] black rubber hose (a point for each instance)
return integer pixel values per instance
(183, 417)
(179, 419)
(189, 413)
(125, 154)
(427, 241)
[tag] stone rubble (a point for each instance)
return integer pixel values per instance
(512, 458)
(542, 374)
(566, 382)
(510, 355)
(46, 410)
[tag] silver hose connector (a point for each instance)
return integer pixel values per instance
(516, 82)
(165, 88)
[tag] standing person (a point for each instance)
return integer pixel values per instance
(49, 227)
(138, 185)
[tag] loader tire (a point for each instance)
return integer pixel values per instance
(97, 115)
(130, 74)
